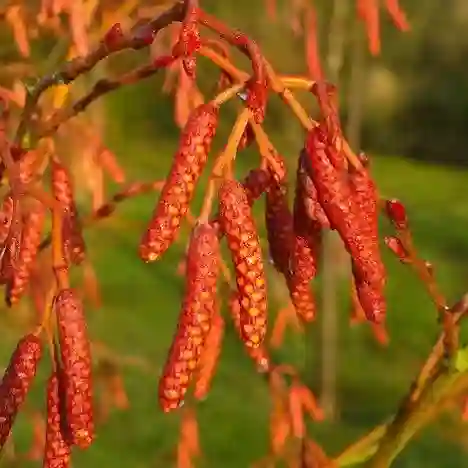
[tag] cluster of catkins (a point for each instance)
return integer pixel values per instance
(70, 419)
(330, 194)
(69, 391)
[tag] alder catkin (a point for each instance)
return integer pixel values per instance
(280, 229)
(178, 190)
(198, 308)
(75, 353)
(306, 246)
(57, 452)
(238, 224)
(255, 184)
(258, 355)
(33, 223)
(73, 242)
(17, 381)
(209, 357)
(336, 198)
(364, 192)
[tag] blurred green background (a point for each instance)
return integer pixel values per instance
(415, 104)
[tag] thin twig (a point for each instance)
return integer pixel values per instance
(134, 39)
(102, 87)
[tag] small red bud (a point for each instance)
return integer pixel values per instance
(397, 213)
(395, 245)
(113, 36)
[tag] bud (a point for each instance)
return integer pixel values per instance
(113, 36)
(396, 212)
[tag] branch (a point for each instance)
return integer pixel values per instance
(101, 88)
(106, 210)
(136, 38)
(396, 434)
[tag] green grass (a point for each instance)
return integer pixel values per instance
(140, 311)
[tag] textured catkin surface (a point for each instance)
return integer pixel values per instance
(17, 381)
(56, 451)
(33, 223)
(195, 319)
(238, 224)
(178, 190)
(259, 355)
(255, 183)
(336, 198)
(306, 245)
(62, 188)
(75, 355)
(371, 295)
(209, 357)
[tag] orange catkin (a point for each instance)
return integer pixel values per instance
(75, 355)
(62, 188)
(255, 183)
(198, 308)
(258, 355)
(57, 452)
(209, 357)
(33, 222)
(178, 190)
(238, 224)
(17, 381)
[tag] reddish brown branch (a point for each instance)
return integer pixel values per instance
(101, 88)
(106, 210)
(136, 38)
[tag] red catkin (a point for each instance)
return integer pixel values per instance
(255, 184)
(195, 318)
(335, 196)
(57, 452)
(238, 224)
(305, 253)
(258, 355)
(279, 224)
(178, 190)
(17, 381)
(209, 357)
(62, 188)
(365, 197)
(33, 222)
(75, 353)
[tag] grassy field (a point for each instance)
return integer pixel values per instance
(140, 312)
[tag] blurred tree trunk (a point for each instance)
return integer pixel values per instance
(332, 245)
